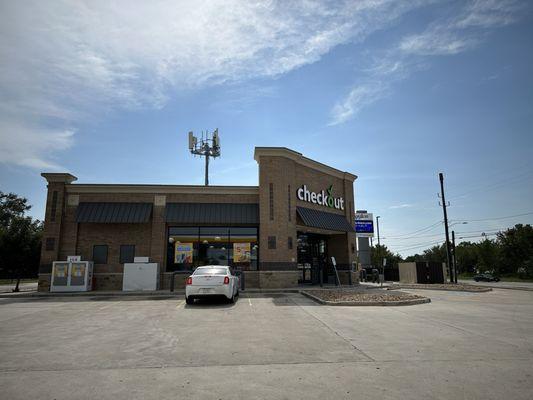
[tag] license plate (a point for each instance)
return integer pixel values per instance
(206, 290)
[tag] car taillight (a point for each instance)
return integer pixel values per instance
(226, 280)
(188, 281)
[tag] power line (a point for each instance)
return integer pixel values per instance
(440, 234)
(427, 228)
(418, 246)
(494, 219)
(475, 236)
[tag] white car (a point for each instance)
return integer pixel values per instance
(211, 280)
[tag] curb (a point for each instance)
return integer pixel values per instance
(411, 302)
(481, 290)
(523, 288)
(159, 293)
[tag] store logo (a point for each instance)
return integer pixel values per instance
(324, 198)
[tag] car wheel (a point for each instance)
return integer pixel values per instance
(189, 300)
(231, 300)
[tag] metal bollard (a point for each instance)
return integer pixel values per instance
(174, 278)
(241, 278)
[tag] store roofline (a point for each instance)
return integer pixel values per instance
(160, 189)
(301, 159)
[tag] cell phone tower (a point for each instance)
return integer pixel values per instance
(205, 147)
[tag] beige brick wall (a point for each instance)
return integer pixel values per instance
(113, 235)
(52, 227)
(284, 172)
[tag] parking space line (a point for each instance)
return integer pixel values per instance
(180, 303)
(109, 305)
(249, 301)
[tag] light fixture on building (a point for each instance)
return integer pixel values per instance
(171, 240)
(211, 247)
(217, 238)
(223, 248)
(205, 241)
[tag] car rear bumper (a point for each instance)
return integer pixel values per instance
(207, 291)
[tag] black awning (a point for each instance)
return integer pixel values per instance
(324, 220)
(114, 212)
(212, 213)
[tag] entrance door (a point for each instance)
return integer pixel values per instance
(312, 256)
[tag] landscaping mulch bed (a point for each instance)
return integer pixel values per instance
(456, 287)
(358, 298)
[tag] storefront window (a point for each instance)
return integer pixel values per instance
(190, 247)
(214, 246)
(182, 248)
(244, 248)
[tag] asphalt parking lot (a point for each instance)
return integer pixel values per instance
(462, 345)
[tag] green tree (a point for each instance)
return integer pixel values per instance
(435, 254)
(414, 258)
(516, 249)
(466, 255)
(379, 252)
(488, 256)
(20, 238)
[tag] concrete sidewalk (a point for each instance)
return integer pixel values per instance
(500, 285)
(24, 287)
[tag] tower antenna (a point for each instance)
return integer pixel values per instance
(206, 147)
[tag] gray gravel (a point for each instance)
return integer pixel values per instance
(340, 295)
(461, 287)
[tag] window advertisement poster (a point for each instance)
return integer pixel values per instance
(61, 270)
(77, 274)
(78, 270)
(241, 252)
(183, 253)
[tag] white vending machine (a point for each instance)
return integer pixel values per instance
(140, 275)
(71, 276)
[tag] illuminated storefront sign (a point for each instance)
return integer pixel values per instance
(323, 198)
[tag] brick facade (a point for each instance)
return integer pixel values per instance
(281, 173)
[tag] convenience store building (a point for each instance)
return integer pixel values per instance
(281, 233)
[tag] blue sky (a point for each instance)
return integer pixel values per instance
(394, 92)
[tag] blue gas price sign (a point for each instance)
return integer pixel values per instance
(364, 224)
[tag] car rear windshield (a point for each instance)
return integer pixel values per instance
(211, 271)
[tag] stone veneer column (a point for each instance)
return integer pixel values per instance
(278, 171)
(54, 213)
(350, 215)
(158, 243)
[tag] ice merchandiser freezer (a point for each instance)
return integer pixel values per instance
(140, 276)
(71, 276)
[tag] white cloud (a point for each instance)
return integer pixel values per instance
(435, 43)
(31, 146)
(359, 97)
(66, 61)
(463, 31)
(405, 205)
(489, 13)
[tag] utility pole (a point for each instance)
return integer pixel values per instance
(454, 259)
(379, 250)
(448, 255)
(205, 148)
